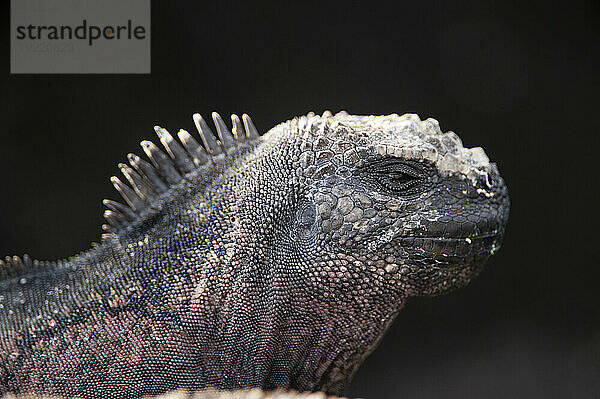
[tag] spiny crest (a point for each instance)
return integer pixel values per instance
(148, 180)
(12, 266)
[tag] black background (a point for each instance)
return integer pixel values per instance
(519, 79)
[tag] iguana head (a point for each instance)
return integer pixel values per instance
(390, 203)
(360, 202)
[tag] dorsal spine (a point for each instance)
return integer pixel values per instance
(148, 180)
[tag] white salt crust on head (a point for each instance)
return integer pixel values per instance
(407, 137)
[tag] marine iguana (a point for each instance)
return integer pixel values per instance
(273, 261)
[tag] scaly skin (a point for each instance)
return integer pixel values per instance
(255, 393)
(271, 262)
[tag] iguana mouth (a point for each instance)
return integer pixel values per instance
(446, 248)
(466, 238)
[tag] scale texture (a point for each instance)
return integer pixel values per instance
(255, 393)
(274, 261)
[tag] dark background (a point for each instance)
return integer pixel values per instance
(519, 79)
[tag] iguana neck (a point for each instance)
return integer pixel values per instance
(260, 334)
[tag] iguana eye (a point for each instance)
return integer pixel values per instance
(398, 177)
(398, 181)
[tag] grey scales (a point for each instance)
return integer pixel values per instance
(254, 393)
(272, 261)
